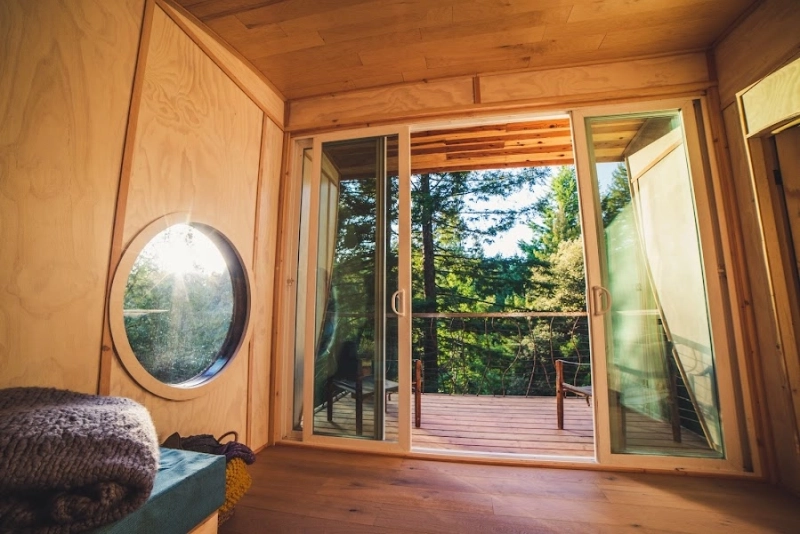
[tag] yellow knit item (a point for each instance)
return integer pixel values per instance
(237, 482)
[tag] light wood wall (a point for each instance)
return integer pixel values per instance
(759, 45)
(546, 89)
(762, 42)
(204, 146)
(66, 77)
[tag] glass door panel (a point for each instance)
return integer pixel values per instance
(660, 358)
(300, 308)
(356, 264)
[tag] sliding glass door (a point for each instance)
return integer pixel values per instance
(655, 289)
(662, 368)
(356, 349)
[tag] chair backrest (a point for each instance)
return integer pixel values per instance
(347, 360)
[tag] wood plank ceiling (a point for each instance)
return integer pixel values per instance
(308, 48)
(498, 146)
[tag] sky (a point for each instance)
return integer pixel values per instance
(506, 244)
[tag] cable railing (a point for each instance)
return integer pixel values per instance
(500, 353)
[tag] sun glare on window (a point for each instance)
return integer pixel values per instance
(181, 249)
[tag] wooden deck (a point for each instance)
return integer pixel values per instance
(504, 425)
(515, 425)
(298, 489)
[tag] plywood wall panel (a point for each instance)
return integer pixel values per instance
(379, 104)
(197, 150)
(66, 76)
(198, 142)
(620, 77)
(761, 43)
(252, 82)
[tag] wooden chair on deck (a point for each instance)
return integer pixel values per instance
(562, 387)
(350, 378)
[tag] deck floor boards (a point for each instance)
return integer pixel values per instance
(299, 489)
(508, 425)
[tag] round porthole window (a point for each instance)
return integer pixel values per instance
(179, 307)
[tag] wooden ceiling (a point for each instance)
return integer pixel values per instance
(308, 48)
(499, 146)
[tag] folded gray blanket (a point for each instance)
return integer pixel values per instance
(71, 462)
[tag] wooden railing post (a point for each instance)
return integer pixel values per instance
(418, 393)
(560, 393)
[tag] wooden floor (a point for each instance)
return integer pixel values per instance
(514, 425)
(305, 490)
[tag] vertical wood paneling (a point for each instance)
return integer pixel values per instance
(264, 269)
(767, 359)
(196, 150)
(766, 39)
(66, 76)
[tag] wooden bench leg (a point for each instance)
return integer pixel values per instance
(208, 526)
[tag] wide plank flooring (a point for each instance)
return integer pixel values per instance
(298, 489)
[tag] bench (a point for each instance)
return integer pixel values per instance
(188, 490)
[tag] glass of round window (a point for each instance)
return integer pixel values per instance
(184, 304)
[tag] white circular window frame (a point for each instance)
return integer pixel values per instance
(117, 321)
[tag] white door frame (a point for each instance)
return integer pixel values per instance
(712, 251)
(404, 284)
(715, 288)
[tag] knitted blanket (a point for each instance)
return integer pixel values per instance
(70, 462)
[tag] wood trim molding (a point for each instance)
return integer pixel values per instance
(264, 261)
(772, 102)
(740, 292)
(106, 351)
(559, 88)
(250, 80)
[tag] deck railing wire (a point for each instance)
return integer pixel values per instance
(501, 353)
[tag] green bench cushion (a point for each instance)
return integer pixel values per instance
(188, 488)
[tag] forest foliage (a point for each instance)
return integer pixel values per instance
(511, 355)
(177, 317)
(454, 215)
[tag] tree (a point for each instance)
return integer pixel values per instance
(449, 237)
(559, 215)
(617, 195)
(176, 322)
(561, 281)
(558, 282)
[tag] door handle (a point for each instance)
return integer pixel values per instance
(399, 296)
(598, 308)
